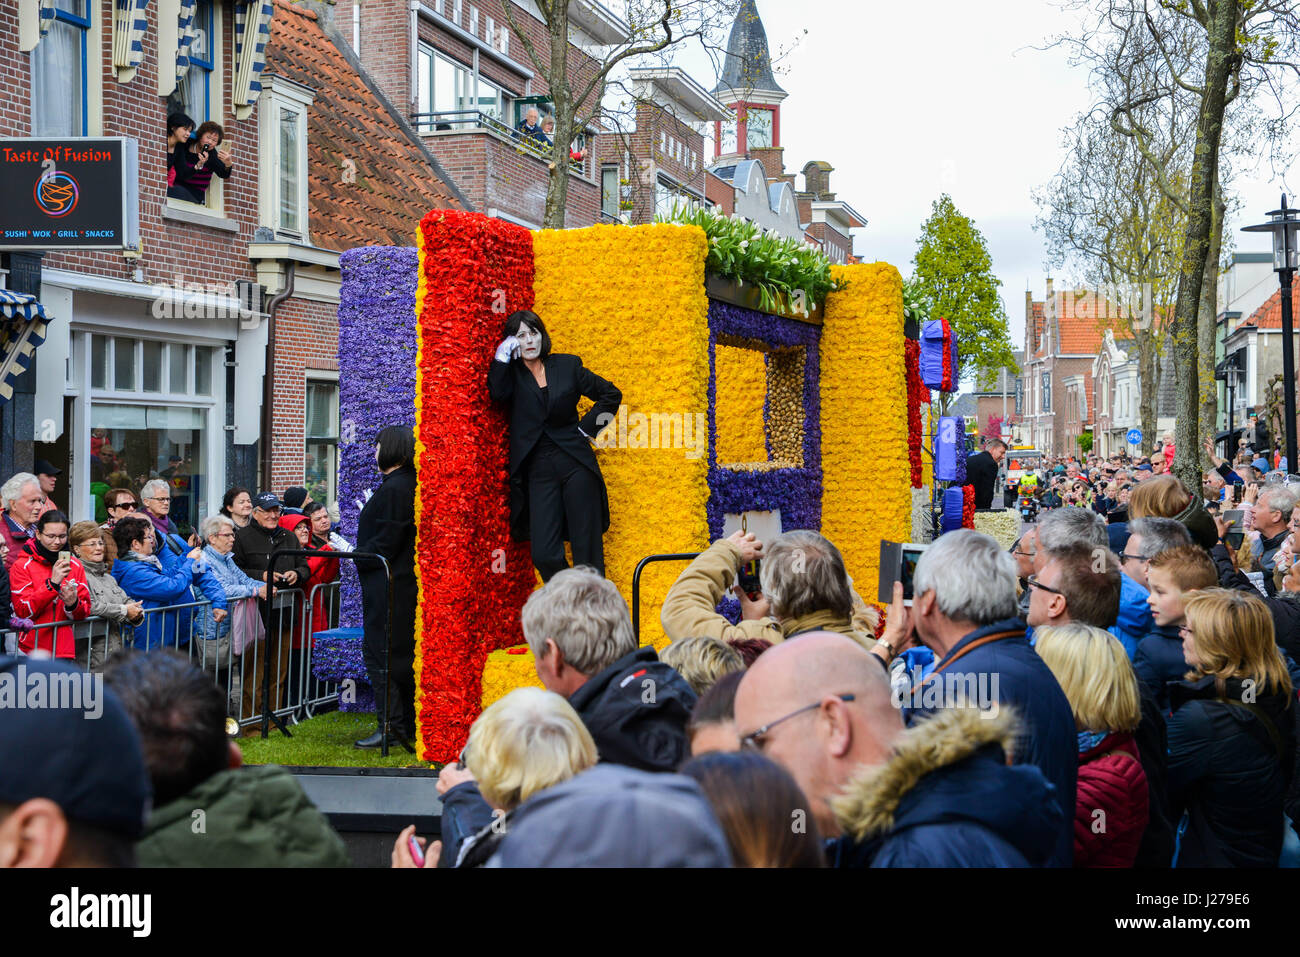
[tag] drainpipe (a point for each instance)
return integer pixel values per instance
(268, 378)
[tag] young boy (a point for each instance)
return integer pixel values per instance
(1171, 575)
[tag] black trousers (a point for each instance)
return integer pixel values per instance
(560, 490)
(374, 607)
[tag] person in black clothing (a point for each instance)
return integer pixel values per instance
(386, 527)
(1231, 735)
(556, 489)
(254, 545)
(982, 471)
(634, 705)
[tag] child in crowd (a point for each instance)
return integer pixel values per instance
(1172, 575)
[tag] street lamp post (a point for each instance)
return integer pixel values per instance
(1284, 225)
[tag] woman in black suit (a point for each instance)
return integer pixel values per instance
(386, 526)
(556, 489)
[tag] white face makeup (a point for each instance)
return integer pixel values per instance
(530, 341)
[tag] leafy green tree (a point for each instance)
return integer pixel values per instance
(954, 275)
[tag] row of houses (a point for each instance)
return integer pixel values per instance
(1078, 372)
(204, 348)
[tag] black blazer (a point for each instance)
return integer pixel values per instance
(567, 380)
(982, 472)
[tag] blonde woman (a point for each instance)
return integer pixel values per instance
(1231, 735)
(702, 661)
(527, 742)
(1111, 800)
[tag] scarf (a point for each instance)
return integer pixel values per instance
(134, 556)
(43, 553)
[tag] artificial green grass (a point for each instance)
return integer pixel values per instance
(325, 741)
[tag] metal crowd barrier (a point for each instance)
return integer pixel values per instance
(297, 693)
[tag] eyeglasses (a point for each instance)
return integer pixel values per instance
(54, 538)
(127, 505)
(158, 498)
(1022, 553)
(751, 740)
(91, 542)
(223, 535)
(1035, 583)
(1126, 557)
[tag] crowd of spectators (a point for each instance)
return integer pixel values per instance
(1118, 689)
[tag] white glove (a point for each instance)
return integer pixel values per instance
(509, 348)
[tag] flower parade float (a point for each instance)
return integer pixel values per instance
(742, 394)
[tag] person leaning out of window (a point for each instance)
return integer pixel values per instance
(197, 161)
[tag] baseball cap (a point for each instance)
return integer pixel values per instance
(43, 467)
(1144, 467)
(74, 744)
(266, 501)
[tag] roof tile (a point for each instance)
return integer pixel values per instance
(380, 196)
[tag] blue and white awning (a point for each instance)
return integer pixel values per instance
(130, 23)
(22, 329)
(185, 33)
(252, 35)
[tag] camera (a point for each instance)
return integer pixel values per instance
(898, 564)
(748, 580)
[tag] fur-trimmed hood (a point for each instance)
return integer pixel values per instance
(952, 769)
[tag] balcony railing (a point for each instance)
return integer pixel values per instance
(466, 121)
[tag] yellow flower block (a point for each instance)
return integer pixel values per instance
(742, 384)
(504, 672)
(630, 301)
(867, 484)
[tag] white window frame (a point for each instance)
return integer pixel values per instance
(331, 378)
(92, 101)
(280, 93)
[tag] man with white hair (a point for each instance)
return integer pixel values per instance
(23, 501)
(964, 610)
(1272, 514)
(580, 633)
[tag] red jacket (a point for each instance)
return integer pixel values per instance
(1110, 813)
(322, 570)
(33, 598)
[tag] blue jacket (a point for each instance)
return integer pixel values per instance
(1048, 740)
(157, 588)
(464, 814)
(234, 585)
(1135, 621)
(947, 798)
(1159, 660)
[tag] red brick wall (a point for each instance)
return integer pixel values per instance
(648, 145)
(385, 45)
(720, 192)
(495, 174)
(199, 253)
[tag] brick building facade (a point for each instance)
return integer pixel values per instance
(155, 357)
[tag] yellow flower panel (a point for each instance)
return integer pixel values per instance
(504, 672)
(631, 302)
(867, 484)
(742, 384)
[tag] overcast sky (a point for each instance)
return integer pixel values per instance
(908, 101)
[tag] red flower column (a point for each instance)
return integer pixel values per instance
(917, 395)
(474, 271)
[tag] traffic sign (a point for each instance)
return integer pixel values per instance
(1134, 436)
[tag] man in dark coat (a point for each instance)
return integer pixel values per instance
(982, 471)
(254, 545)
(938, 795)
(634, 705)
(964, 611)
(386, 526)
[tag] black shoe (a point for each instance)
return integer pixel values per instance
(376, 740)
